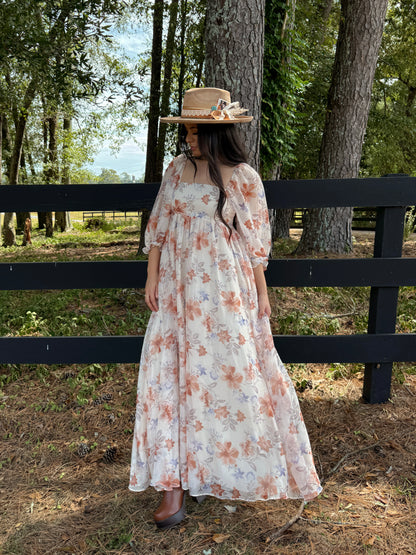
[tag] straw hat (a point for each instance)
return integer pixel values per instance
(209, 105)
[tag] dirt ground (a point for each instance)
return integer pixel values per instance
(57, 499)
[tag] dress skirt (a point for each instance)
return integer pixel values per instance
(216, 412)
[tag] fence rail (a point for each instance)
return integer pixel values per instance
(384, 273)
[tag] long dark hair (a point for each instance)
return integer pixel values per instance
(218, 143)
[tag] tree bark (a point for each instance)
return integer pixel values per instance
(181, 79)
(6, 142)
(52, 171)
(21, 217)
(167, 79)
(45, 134)
(234, 59)
(359, 38)
(154, 108)
(29, 157)
(280, 218)
(1, 147)
(62, 219)
(8, 231)
(20, 132)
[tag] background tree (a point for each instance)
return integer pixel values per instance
(281, 85)
(360, 33)
(234, 59)
(174, 63)
(43, 50)
(390, 145)
(317, 25)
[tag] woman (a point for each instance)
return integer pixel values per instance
(216, 412)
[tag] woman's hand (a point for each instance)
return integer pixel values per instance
(151, 292)
(264, 305)
(262, 295)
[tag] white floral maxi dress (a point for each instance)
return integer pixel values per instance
(216, 411)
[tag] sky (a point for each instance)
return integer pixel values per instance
(131, 157)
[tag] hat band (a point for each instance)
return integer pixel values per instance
(195, 113)
(221, 111)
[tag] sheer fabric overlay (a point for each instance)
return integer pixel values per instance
(216, 410)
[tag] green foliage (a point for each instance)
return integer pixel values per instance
(188, 62)
(409, 223)
(108, 175)
(317, 32)
(61, 313)
(281, 86)
(53, 55)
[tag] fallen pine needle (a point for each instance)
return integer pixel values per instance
(288, 524)
(332, 523)
(346, 456)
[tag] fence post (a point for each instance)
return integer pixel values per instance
(382, 315)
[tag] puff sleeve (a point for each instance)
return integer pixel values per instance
(158, 224)
(252, 216)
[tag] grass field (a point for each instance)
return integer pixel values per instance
(66, 431)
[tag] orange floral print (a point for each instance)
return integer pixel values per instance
(266, 406)
(226, 452)
(166, 412)
(221, 412)
(156, 344)
(247, 448)
(169, 444)
(231, 376)
(264, 444)
(217, 490)
(267, 487)
(240, 416)
(249, 190)
(192, 384)
(193, 310)
(231, 300)
(224, 337)
(201, 240)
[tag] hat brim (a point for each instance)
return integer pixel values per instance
(197, 121)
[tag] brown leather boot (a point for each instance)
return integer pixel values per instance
(171, 511)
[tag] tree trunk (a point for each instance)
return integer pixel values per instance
(181, 79)
(8, 232)
(62, 219)
(359, 38)
(182, 61)
(6, 145)
(234, 59)
(154, 108)
(276, 15)
(41, 220)
(167, 78)
(52, 171)
(1, 147)
(21, 217)
(29, 157)
(45, 134)
(20, 132)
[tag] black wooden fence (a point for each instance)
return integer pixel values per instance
(385, 273)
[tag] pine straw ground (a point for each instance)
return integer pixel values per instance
(55, 501)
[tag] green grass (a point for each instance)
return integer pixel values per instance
(73, 312)
(107, 234)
